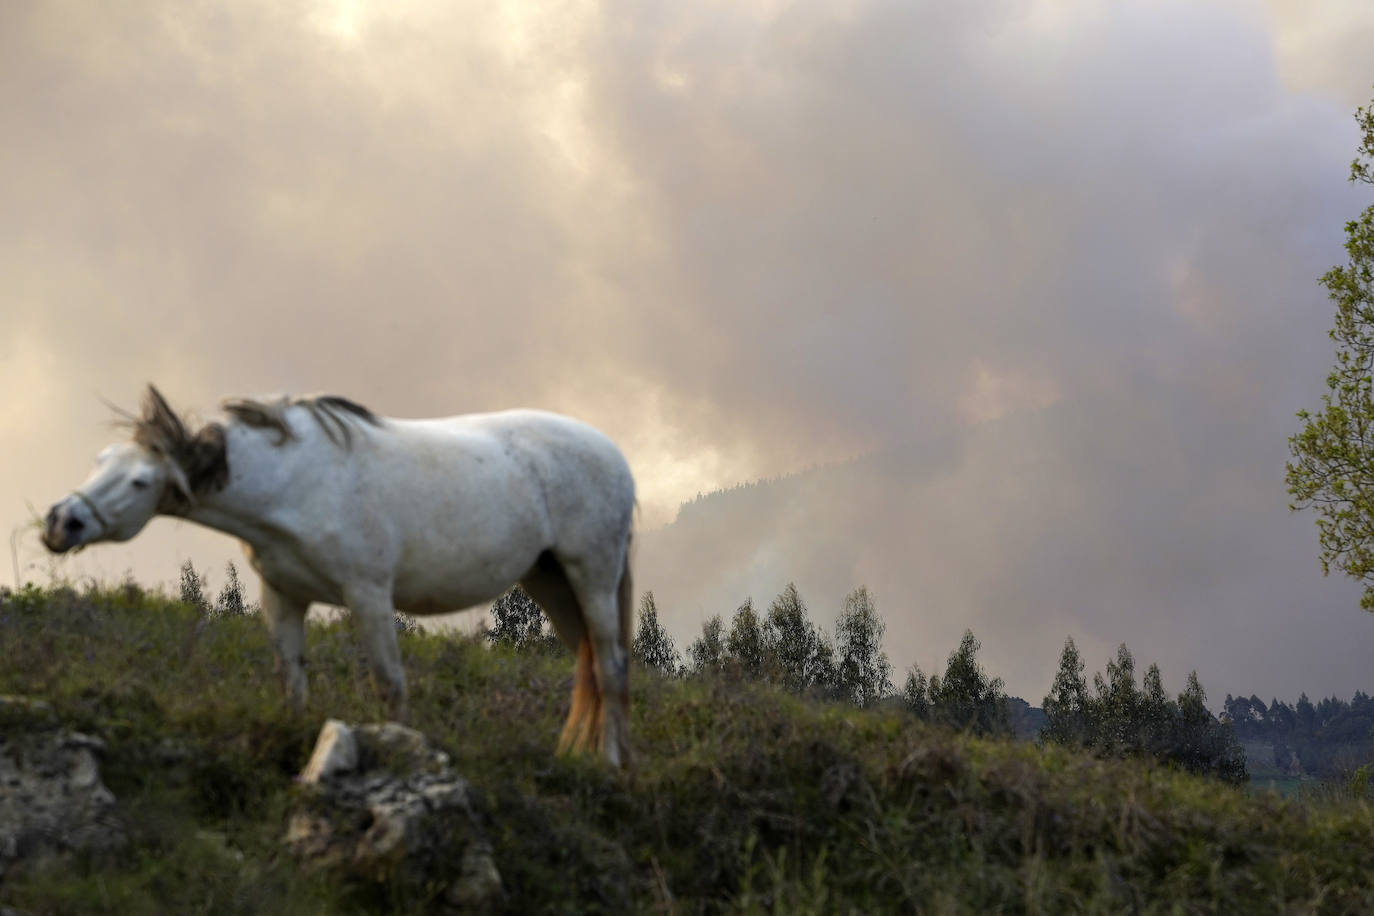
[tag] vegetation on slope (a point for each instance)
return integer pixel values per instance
(745, 799)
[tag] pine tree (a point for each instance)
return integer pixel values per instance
(1306, 715)
(193, 588)
(792, 647)
(824, 671)
(1157, 714)
(1282, 719)
(863, 673)
(965, 697)
(1066, 706)
(1201, 743)
(653, 646)
(914, 693)
(745, 642)
(518, 621)
(1116, 707)
(707, 653)
(230, 602)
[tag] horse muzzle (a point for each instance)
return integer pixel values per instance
(63, 528)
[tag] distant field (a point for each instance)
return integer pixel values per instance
(745, 800)
(1265, 776)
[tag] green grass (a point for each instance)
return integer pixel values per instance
(743, 800)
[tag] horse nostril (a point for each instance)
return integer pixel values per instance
(74, 525)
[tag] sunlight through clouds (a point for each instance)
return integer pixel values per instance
(343, 20)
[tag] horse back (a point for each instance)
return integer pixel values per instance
(483, 496)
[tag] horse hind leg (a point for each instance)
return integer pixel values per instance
(612, 666)
(604, 607)
(547, 584)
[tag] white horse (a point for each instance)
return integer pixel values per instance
(337, 505)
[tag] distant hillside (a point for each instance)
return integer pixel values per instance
(744, 800)
(751, 539)
(877, 520)
(766, 496)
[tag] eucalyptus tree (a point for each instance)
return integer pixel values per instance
(1332, 466)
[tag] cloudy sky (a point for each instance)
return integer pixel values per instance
(1051, 263)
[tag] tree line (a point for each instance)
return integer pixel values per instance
(1117, 718)
(1329, 738)
(781, 646)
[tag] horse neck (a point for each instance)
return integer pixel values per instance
(261, 478)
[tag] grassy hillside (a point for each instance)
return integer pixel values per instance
(744, 800)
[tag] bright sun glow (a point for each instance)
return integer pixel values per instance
(340, 19)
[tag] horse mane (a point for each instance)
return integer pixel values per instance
(200, 455)
(335, 416)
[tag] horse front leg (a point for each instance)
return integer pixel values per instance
(286, 624)
(372, 610)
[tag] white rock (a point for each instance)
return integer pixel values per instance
(336, 751)
(392, 809)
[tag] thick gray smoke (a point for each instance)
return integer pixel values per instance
(1050, 265)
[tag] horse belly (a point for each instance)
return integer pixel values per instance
(468, 539)
(290, 574)
(441, 584)
(444, 597)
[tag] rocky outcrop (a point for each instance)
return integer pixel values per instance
(380, 803)
(52, 800)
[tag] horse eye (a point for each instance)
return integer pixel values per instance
(139, 483)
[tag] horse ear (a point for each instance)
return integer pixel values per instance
(159, 419)
(155, 406)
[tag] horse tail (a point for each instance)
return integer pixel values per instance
(586, 727)
(625, 596)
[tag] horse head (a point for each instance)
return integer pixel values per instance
(163, 469)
